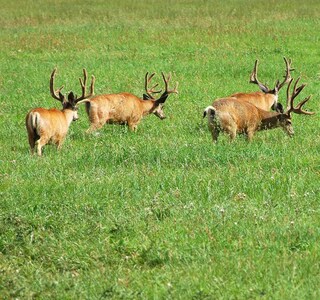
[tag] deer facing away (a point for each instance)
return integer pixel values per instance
(268, 98)
(125, 108)
(51, 125)
(234, 117)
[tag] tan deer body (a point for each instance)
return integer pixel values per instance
(234, 117)
(46, 126)
(125, 108)
(122, 108)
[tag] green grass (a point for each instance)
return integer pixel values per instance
(161, 213)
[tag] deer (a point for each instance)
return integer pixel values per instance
(240, 117)
(46, 126)
(267, 98)
(126, 108)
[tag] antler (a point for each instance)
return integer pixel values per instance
(83, 84)
(296, 91)
(166, 81)
(55, 94)
(149, 91)
(167, 92)
(264, 88)
(287, 76)
(254, 79)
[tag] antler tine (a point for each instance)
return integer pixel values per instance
(167, 91)
(83, 84)
(166, 82)
(287, 76)
(299, 109)
(150, 91)
(93, 79)
(289, 102)
(296, 91)
(254, 78)
(55, 94)
(148, 79)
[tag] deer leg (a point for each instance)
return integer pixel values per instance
(214, 133)
(39, 144)
(250, 134)
(32, 143)
(232, 132)
(96, 120)
(133, 127)
(59, 143)
(94, 127)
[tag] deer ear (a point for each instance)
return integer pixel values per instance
(71, 97)
(145, 97)
(279, 108)
(61, 96)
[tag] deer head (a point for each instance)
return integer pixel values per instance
(71, 101)
(275, 91)
(159, 103)
(286, 117)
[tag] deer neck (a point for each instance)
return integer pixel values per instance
(68, 113)
(148, 107)
(269, 120)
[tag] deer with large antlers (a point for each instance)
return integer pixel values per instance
(127, 109)
(51, 125)
(268, 98)
(239, 117)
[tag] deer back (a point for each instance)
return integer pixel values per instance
(259, 99)
(118, 107)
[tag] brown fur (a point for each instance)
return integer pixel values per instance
(239, 117)
(262, 100)
(127, 109)
(234, 116)
(122, 108)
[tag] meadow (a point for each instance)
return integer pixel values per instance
(161, 213)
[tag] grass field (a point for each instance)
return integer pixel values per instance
(161, 213)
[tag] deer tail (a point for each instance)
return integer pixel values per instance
(34, 122)
(210, 111)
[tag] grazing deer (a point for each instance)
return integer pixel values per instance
(268, 98)
(51, 125)
(125, 108)
(235, 117)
